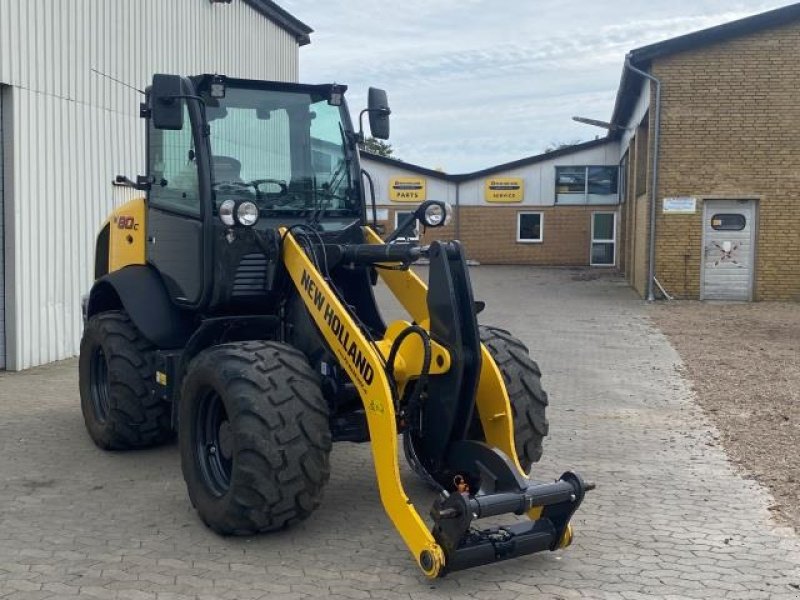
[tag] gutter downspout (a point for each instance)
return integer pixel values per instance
(651, 260)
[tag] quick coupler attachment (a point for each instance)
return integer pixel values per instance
(465, 546)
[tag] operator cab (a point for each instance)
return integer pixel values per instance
(232, 160)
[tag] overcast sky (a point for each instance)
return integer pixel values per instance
(473, 83)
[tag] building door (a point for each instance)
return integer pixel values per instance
(604, 239)
(2, 245)
(729, 228)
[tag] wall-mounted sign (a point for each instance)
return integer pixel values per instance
(382, 214)
(681, 205)
(505, 189)
(407, 189)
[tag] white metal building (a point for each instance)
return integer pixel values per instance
(66, 132)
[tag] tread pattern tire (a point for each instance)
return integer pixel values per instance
(280, 436)
(523, 383)
(135, 417)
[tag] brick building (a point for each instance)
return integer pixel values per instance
(557, 208)
(727, 201)
(725, 207)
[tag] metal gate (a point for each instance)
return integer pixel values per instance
(729, 228)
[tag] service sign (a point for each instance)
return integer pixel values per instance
(407, 189)
(505, 189)
(683, 205)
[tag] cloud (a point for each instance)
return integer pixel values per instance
(476, 82)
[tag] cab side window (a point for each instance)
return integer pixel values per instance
(173, 167)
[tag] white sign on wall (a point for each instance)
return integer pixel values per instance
(682, 205)
(382, 214)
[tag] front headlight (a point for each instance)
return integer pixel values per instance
(247, 214)
(226, 213)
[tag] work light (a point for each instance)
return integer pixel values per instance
(247, 213)
(226, 213)
(437, 214)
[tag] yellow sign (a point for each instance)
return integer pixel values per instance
(506, 189)
(407, 189)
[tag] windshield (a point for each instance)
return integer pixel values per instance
(285, 149)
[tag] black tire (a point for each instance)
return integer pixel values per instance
(523, 383)
(116, 374)
(254, 437)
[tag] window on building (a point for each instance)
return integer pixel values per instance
(400, 217)
(604, 239)
(529, 227)
(728, 222)
(641, 147)
(587, 185)
(623, 178)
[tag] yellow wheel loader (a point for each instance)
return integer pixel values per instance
(233, 306)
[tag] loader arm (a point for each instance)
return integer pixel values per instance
(365, 366)
(453, 543)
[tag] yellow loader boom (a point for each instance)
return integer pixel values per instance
(451, 544)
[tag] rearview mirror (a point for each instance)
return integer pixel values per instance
(378, 107)
(166, 108)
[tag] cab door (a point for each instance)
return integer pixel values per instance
(175, 211)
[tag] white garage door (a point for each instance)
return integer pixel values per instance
(729, 228)
(2, 248)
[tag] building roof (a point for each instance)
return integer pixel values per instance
(642, 58)
(283, 19)
(406, 166)
(531, 160)
(457, 177)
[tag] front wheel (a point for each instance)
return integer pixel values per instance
(254, 437)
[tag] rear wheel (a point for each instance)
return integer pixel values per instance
(254, 437)
(523, 382)
(116, 374)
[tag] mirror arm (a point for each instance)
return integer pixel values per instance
(361, 138)
(142, 183)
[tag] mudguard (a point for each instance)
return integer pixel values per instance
(138, 290)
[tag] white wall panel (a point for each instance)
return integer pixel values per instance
(73, 131)
(436, 189)
(637, 114)
(540, 178)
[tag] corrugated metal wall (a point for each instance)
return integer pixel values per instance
(73, 131)
(2, 244)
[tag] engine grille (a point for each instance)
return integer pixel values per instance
(251, 275)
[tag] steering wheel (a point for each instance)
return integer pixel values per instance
(231, 186)
(258, 182)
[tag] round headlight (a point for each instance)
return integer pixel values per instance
(226, 212)
(437, 215)
(247, 214)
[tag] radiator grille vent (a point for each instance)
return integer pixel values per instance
(251, 275)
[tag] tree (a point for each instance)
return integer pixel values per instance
(379, 147)
(553, 146)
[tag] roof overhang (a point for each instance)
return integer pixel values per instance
(459, 177)
(283, 19)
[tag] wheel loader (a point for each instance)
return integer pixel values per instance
(233, 307)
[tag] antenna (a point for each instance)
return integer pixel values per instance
(115, 80)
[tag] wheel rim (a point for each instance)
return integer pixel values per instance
(101, 405)
(213, 443)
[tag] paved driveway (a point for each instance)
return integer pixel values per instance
(670, 517)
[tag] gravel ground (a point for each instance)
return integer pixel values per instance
(743, 361)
